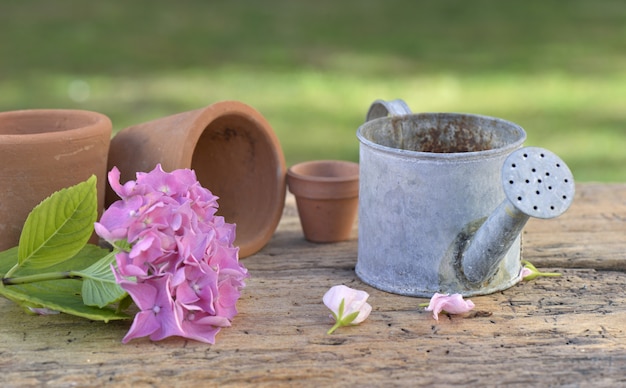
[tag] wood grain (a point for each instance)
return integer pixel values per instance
(591, 234)
(552, 331)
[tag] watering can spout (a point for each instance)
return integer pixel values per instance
(491, 242)
(537, 183)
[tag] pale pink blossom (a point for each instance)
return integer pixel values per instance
(529, 272)
(347, 305)
(526, 272)
(451, 304)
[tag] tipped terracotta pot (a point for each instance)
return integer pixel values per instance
(43, 151)
(234, 152)
(327, 195)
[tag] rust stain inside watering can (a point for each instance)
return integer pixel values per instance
(442, 136)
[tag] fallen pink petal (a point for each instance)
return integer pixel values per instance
(348, 306)
(451, 304)
(526, 272)
(530, 272)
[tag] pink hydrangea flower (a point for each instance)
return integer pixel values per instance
(176, 257)
(347, 305)
(452, 304)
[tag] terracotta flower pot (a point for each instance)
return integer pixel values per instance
(234, 153)
(45, 150)
(327, 195)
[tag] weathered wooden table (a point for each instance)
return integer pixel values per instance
(568, 331)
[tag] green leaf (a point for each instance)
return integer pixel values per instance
(348, 319)
(87, 256)
(124, 303)
(8, 259)
(341, 307)
(59, 295)
(59, 226)
(99, 285)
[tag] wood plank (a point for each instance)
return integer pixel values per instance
(551, 331)
(591, 234)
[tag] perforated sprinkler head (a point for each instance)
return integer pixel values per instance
(537, 182)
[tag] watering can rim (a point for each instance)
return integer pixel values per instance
(444, 155)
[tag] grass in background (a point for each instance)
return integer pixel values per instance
(312, 68)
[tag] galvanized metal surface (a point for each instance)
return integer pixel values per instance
(444, 197)
(382, 108)
(428, 181)
(537, 183)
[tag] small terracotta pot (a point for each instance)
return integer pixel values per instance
(327, 196)
(233, 151)
(43, 151)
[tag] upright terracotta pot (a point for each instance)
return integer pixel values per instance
(234, 152)
(327, 197)
(45, 150)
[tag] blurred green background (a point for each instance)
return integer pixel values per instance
(312, 68)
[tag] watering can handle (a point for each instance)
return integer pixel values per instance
(382, 108)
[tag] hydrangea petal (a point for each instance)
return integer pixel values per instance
(452, 304)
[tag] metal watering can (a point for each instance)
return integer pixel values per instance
(443, 199)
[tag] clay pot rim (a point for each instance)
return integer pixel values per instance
(323, 187)
(219, 110)
(94, 122)
(222, 109)
(296, 171)
(188, 129)
(255, 243)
